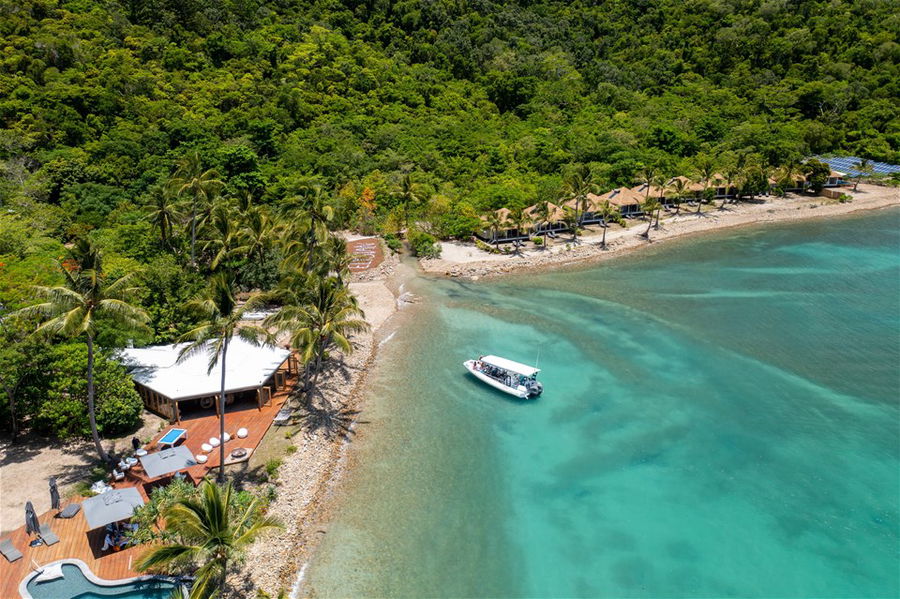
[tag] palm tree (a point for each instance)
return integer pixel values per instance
(309, 216)
(210, 530)
(731, 174)
(542, 212)
(75, 309)
(578, 184)
(494, 223)
(705, 172)
(570, 218)
(222, 235)
(407, 193)
(163, 214)
(315, 325)
(650, 205)
(678, 187)
(606, 211)
(220, 316)
(648, 176)
(201, 185)
(256, 233)
(863, 167)
(520, 221)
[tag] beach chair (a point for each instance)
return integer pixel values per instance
(69, 511)
(9, 551)
(48, 535)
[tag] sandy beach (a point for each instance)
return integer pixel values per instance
(465, 260)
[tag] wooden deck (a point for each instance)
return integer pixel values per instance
(75, 541)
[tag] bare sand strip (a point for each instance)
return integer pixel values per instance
(474, 263)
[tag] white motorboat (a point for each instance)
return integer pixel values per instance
(507, 376)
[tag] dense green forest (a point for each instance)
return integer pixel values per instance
(184, 137)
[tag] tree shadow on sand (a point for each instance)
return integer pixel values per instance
(330, 420)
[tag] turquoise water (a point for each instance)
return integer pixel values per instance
(74, 585)
(720, 418)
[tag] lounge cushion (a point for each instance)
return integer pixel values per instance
(201, 459)
(70, 510)
(206, 447)
(48, 535)
(242, 433)
(50, 573)
(9, 550)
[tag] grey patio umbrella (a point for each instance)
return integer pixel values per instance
(54, 494)
(32, 525)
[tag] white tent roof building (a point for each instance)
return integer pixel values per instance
(161, 378)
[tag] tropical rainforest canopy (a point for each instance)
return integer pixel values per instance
(442, 108)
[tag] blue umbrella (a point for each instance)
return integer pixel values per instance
(32, 526)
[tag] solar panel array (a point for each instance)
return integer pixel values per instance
(845, 164)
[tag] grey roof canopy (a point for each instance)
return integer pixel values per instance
(111, 506)
(167, 461)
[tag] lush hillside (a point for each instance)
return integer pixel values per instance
(482, 101)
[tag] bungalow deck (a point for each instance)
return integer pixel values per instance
(76, 541)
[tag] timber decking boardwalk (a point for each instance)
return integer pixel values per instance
(76, 541)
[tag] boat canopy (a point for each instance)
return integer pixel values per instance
(509, 365)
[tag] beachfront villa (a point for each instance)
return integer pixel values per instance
(78, 546)
(171, 388)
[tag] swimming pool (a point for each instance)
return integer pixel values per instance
(79, 582)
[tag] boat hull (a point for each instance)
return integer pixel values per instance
(521, 392)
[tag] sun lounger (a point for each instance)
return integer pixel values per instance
(172, 436)
(283, 417)
(48, 535)
(69, 511)
(9, 551)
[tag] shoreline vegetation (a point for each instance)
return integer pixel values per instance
(468, 262)
(310, 477)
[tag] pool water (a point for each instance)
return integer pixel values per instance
(74, 585)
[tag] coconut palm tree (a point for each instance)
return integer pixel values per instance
(201, 186)
(210, 531)
(606, 211)
(220, 316)
(76, 308)
(407, 194)
(542, 212)
(494, 223)
(222, 236)
(648, 176)
(163, 215)
(577, 184)
(309, 217)
(863, 167)
(570, 218)
(649, 206)
(317, 319)
(521, 222)
(678, 187)
(706, 170)
(256, 234)
(732, 173)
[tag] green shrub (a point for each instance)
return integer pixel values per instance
(291, 449)
(272, 467)
(844, 198)
(424, 245)
(538, 241)
(63, 411)
(393, 242)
